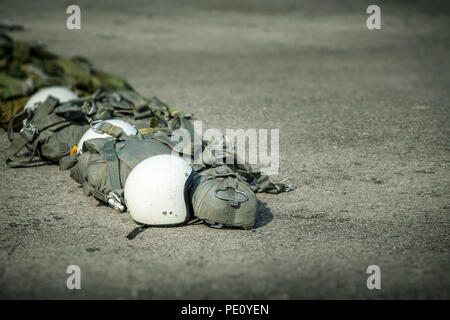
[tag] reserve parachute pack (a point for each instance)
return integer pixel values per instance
(221, 197)
(52, 130)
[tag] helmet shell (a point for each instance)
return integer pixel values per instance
(156, 191)
(91, 133)
(61, 93)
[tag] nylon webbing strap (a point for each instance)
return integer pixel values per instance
(111, 130)
(41, 121)
(48, 121)
(183, 123)
(16, 163)
(18, 117)
(165, 139)
(67, 162)
(88, 190)
(138, 102)
(230, 183)
(142, 114)
(43, 111)
(186, 150)
(112, 162)
(25, 136)
(263, 184)
(223, 172)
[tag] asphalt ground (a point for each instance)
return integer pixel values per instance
(364, 132)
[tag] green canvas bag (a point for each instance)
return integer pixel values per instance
(221, 197)
(105, 164)
(50, 132)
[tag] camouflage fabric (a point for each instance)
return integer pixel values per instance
(8, 109)
(129, 106)
(27, 67)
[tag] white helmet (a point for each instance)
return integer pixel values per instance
(156, 191)
(95, 132)
(61, 93)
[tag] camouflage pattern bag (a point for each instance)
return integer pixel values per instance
(27, 67)
(131, 107)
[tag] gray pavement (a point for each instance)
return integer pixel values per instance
(364, 132)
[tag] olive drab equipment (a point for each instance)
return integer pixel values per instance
(26, 67)
(63, 94)
(129, 105)
(258, 182)
(106, 128)
(105, 164)
(221, 197)
(51, 130)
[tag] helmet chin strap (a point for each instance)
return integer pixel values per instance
(213, 224)
(136, 231)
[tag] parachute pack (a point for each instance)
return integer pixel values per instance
(27, 67)
(52, 130)
(219, 195)
(83, 135)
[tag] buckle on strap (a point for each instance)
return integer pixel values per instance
(97, 125)
(213, 224)
(114, 201)
(233, 201)
(29, 132)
